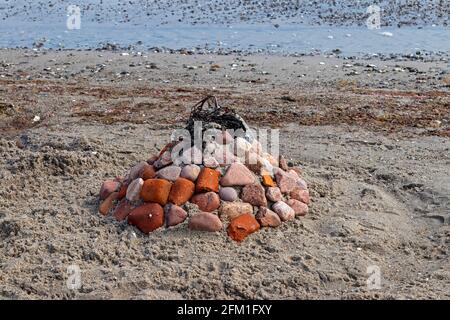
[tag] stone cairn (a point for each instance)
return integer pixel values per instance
(225, 180)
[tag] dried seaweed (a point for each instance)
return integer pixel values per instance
(208, 111)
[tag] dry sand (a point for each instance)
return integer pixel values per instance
(374, 147)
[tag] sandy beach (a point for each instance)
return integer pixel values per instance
(371, 135)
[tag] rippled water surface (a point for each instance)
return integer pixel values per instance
(285, 39)
(228, 24)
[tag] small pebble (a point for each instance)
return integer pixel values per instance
(205, 221)
(228, 194)
(274, 194)
(174, 215)
(255, 195)
(231, 210)
(285, 181)
(190, 172)
(108, 187)
(284, 211)
(237, 175)
(122, 210)
(299, 207)
(268, 218)
(107, 204)
(170, 173)
(207, 202)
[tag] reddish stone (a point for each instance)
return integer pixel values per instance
(134, 189)
(182, 190)
(274, 194)
(208, 180)
(228, 194)
(268, 218)
(107, 204)
(191, 172)
(147, 172)
(205, 221)
(300, 195)
(284, 211)
(299, 207)
(242, 226)
(254, 194)
(122, 191)
(231, 210)
(237, 175)
(123, 210)
(285, 181)
(108, 187)
(147, 217)
(207, 202)
(174, 215)
(156, 190)
(134, 171)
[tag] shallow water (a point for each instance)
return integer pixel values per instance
(208, 24)
(289, 38)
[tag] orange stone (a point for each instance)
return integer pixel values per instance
(147, 217)
(208, 180)
(107, 204)
(182, 190)
(242, 226)
(156, 190)
(268, 181)
(147, 172)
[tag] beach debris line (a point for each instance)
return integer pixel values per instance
(224, 181)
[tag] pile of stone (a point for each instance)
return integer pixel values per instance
(227, 180)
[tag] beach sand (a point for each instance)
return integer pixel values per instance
(374, 146)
